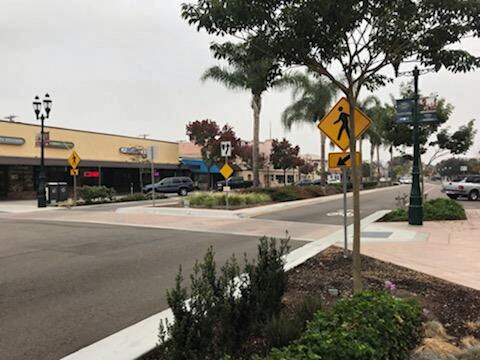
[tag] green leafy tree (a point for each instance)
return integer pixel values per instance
(306, 168)
(208, 135)
(451, 167)
(284, 156)
(457, 143)
(311, 98)
(248, 71)
(361, 37)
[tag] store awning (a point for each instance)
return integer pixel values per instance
(199, 166)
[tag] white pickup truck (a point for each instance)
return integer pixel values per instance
(469, 187)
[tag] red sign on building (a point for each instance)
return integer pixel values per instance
(91, 174)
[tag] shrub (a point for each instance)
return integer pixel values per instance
(436, 209)
(209, 200)
(443, 209)
(280, 331)
(217, 320)
(370, 185)
(135, 197)
(280, 194)
(95, 193)
(369, 326)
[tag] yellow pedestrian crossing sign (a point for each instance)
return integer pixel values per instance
(226, 171)
(338, 160)
(335, 124)
(74, 159)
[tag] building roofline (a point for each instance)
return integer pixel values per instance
(87, 131)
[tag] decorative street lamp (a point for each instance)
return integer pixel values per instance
(37, 107)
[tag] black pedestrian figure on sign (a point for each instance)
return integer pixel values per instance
(343, 118)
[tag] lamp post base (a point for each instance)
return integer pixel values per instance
(41, 201)
(41, 196)
(415, 214)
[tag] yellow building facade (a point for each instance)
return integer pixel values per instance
(115, 161)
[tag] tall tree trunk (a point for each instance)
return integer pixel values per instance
(378, 162)
(323, 175)
(357, 266)
(390, 167)
(256, 106)
(372, 151)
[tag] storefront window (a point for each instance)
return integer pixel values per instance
(20, 178)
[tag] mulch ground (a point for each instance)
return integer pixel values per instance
(450, 304)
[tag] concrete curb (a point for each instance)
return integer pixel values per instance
(142, 337)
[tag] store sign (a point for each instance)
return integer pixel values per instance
(133, 150)
(9, 140)
(91, 174)
(60, 144)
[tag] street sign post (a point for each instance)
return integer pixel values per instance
(74, 161)
(335, 124)
(343, 161)
(151, 158)
(339, 160)
(226, 170)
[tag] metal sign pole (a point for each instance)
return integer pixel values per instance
(153, 184)
(226, 184)
(345, 234)
(74, 189)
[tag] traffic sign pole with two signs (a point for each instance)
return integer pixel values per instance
(74, 161)
(336, 125)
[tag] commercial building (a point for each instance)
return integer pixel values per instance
(112, 160)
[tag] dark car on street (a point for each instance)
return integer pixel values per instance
(181, 185)
(235, 182)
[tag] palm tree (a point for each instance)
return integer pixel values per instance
(373, 108)
(311, 97)
(248, 73)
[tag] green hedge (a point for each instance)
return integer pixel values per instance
(91, 194)
(369, 326)
(210, 200)
(436, 209)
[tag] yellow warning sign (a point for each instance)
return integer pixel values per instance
(226, 171)
(342, 160)
(74, 159)
(336, 124)
(73, 172)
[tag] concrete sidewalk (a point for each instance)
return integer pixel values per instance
(449, 250)
(21, 206)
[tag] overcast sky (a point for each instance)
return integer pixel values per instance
(132, 67)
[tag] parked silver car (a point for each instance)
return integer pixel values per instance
(469, 186)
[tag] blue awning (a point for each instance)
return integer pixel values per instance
(199, 166)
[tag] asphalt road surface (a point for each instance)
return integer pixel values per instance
(66, 285)
(331, 212)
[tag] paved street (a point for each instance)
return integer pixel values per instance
(332, 211)
(66, 285)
